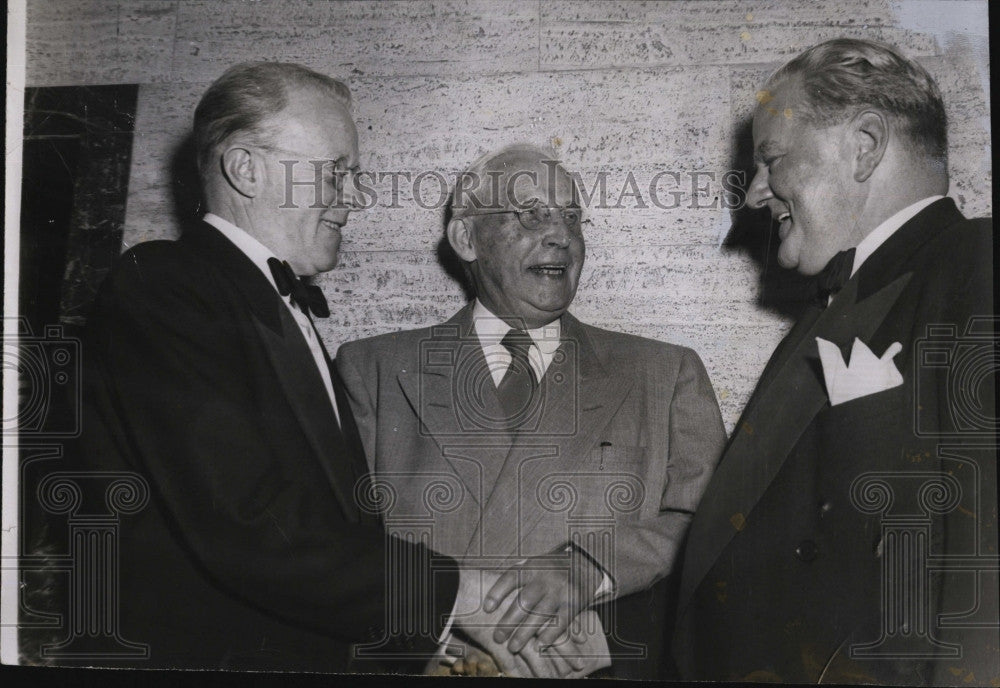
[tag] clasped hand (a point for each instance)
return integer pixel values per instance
(530, 621)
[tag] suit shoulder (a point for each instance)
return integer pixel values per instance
(623, 344)
(157, 263)
(159, 274)
(966, 237)
(968, 243)
(977, 232)
(388, 344)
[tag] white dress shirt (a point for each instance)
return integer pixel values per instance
(880, 234)
(491, 330)
(259, 254)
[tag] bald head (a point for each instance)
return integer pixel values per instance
(513, 178)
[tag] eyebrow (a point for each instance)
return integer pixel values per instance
(764, 151)
(338, 162)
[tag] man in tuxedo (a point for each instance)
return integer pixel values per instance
(516, 434)
(849, 533)
(206, 378)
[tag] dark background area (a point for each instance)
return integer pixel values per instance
(76, 158)
(77, 152)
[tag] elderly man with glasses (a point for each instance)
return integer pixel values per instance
(515, 437)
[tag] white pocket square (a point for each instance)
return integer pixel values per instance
(866, 374)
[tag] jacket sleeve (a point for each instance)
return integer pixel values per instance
(166, 387)
(646, 550)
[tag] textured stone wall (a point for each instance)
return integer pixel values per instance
(615, 87)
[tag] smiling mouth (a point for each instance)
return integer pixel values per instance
(330, 224)
(549, 269)
(784, 224)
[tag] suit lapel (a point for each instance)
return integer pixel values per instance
(291, 359)
(571, 421)
(454, 399)
(244, 276)
(786, 348)
(773, 423)
(792, 391)
(304, 389)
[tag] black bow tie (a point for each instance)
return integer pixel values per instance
(835, 275)
(308, 297)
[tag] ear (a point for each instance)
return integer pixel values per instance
(242, 170)
(871, 132)
(460, 238)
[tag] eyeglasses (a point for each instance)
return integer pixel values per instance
(535, 217)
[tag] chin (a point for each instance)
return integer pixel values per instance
(549, 312)
(788, 262)
(327, 265)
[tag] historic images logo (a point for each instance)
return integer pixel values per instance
(954, 504)
(83, 578)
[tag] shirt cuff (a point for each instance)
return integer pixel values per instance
(607, 587)
(446, 633)
(441, 654)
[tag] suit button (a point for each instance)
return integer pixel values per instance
(807, 550)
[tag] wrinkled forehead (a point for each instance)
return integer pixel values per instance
(525, 177)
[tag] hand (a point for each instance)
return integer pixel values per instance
(554, 589)
(567, 648)
(578, 646)
(479, 625)
(475, 663)
(582, 651)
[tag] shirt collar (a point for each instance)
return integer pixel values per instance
(880, 234)
(490, 329)
(257, 252)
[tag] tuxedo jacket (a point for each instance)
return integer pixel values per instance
(857, 542)
(614, 459)
(252, 551)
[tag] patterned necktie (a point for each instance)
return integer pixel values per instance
(308, 297)
(834, 276)
(517, 388)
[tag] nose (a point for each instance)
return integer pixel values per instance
(557, 233)
(760, 190)
(350, 195)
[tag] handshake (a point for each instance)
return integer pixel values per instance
(530, 620)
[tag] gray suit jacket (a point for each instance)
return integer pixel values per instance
(624, 441)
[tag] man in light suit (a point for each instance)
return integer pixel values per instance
(206, 378)
(849, 533)
(515, 433)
